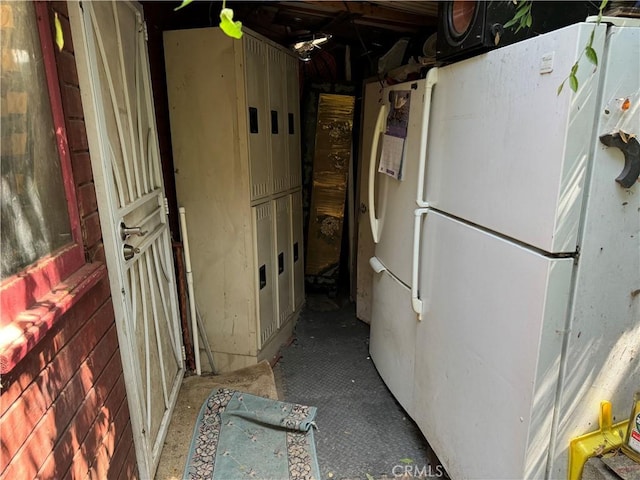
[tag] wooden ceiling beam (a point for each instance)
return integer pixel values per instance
(364, 9)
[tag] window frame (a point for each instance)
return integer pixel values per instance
(32, 299)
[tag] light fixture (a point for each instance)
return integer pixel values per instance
(304, 47)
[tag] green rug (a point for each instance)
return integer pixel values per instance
(242, 436)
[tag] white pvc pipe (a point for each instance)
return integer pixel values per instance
(192, 298)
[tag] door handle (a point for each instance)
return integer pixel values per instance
(129, 251)
(375, 229)
(431, 80)
(416, 302)
(128, 231)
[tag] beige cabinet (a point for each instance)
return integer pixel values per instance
(234, 112)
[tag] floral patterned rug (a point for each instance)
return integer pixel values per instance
(242, 436)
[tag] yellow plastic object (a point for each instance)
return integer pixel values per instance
(603, 440)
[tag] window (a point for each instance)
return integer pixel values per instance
(35, 221)
(40, 230)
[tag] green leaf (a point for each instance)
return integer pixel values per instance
(603, 4)
(182, 5)
(573, 82)
(560, 87)
(529, 21)
(369, 477)
(59, 34)
(228, 26)
(591, 55)
(574, 69)
(510, 23)
(521, 10)
(406, 461)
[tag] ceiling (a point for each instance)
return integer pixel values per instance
(350, 22)
(364, 25)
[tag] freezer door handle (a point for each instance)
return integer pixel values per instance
(416, 302)
(375, 226)
(431, 80)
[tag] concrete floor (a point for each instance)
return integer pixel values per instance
(257, 380)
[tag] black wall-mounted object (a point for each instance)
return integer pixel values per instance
(262, 274)
(253, 120)
(468, 28)
(280, 263)
(291, 122)
(631, 150)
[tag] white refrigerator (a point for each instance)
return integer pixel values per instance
(506, 299)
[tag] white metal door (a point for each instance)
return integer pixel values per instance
(277, 111)
(366, 247)
(601, 355)
(392, 341)
(283, 257)
(396, 199)
(293, 122)
(487, 350)
(266, 278)
(297, 250)
(505, 150)
(113, 68)
(255, 60)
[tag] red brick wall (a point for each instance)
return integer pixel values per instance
(63, 408)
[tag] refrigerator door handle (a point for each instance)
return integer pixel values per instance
(416, 302)
(431, 80)
(382, 113)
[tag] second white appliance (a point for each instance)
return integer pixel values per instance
(391, 204)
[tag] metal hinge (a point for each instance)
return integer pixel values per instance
(184, 354)
(146, 32)
(166, 206)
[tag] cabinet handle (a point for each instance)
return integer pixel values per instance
(291, 126)
(262, 273)
(253, 120)
(295, 252)
(280, 263)
(274, 122)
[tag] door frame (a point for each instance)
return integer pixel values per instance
(92, 103)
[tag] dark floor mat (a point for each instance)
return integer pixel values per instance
(361, 428)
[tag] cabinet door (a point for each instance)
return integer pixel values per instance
(264, 276)
(297, 249)
(283, 257)
(293, 122)
(277, 114)
(258, 116)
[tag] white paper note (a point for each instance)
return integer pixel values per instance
(392, 156)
